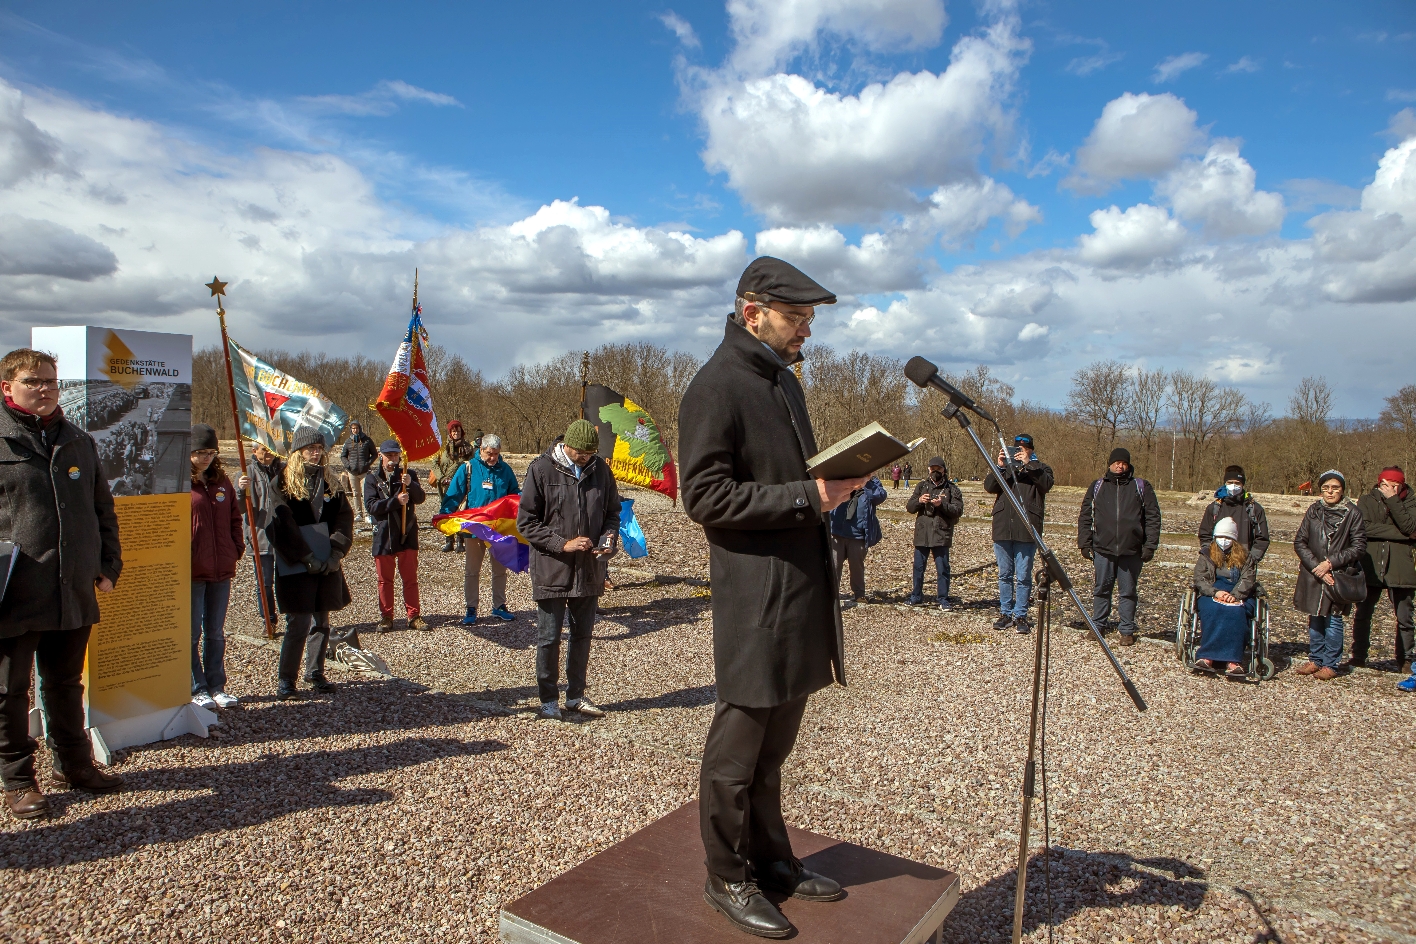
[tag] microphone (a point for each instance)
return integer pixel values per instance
(925, 374)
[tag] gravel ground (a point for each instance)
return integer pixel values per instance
(412, 808)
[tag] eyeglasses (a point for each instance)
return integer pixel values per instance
(1332, 488)
(39, 383)
(796, 321)
(203, 453)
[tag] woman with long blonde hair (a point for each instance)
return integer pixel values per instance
(1225, 578)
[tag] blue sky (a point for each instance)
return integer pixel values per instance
(948, 169)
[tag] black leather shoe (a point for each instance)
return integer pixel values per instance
(320, 684)
(285, 690)
(793, 878)
(743, 904)
(88, 778)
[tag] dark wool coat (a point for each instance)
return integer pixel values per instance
(217, 539)
(744, 437)
(381, 500)
(1390, 524)
(452, 454)
(934, 524)
(309, 593)
(1310, 542)
(555, 507)
(1034, 482)
(1119, 518)
(55, 504)
(1249, 518)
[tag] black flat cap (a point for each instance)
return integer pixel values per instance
(770, 279)
(936, 461)
(391, 447)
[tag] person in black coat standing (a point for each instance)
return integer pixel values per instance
(1030, 479)
(388, 491)
(1118, 530)
(745, 437)
(937, 505)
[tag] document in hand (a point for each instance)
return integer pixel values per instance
(317, 537)
(859, 454)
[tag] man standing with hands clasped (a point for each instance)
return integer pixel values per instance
(745, 437)
(1118, 530)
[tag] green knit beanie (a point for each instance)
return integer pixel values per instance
(583, 436)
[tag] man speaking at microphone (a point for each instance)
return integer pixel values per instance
(745, 438)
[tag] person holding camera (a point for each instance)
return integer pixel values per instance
(1030, 479)
(570, 515)
(389, 490)
(937, 505)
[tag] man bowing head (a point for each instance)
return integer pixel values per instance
(745, 438)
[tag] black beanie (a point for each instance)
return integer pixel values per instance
(1119, 455)
(1234, 472)
(203, 437)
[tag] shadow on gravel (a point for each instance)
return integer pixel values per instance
(645, 618)
(683, 698)
(1081, 881)
(229, 797)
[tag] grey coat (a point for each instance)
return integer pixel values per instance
(555, 507)
(934, 524)
(55, 504)
(1310, 543)
(744, 439)
(1205, 573)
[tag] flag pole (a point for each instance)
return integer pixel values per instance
(218, 290)
(584, 379)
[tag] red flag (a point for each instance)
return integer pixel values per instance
(405, 402)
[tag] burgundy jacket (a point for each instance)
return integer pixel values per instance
(217, 543)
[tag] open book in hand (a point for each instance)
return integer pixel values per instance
(859, 454)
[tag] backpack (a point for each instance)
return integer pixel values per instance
(1254, 530)
(1140, 488)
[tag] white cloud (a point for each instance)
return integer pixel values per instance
(1307, 193)
(1086, 65)
(39, 247)
(680, 28)
(1401, 126)
(767, 34)
(1137, 136)
(960, 210)
(1219, 193)
(1369, 255)
(1168, 69)
(1032, 331)
(381, 100)
(1132, 239)
(882, 262)
(1244, 64)
(1401, 95)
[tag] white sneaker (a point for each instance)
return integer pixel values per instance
(585, 707)
(224, 700)
(203, 700)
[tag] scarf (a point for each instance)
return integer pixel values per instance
(1333, 517)
(563, 460)
(315, 481)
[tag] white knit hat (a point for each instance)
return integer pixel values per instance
(1226, 528)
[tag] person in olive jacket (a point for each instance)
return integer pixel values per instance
(389, 491)
(569, 514)
(306, 495)
(1030, 479)
(1389, 519)
(937, 505)
(1331, 537)
(217, 544)
(1118, 530)
(745, 437)
(56, 508)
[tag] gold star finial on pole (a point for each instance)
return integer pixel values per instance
(217, 287)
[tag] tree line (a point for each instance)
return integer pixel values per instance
(1181, 428)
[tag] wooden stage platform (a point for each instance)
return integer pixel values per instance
(648, 889)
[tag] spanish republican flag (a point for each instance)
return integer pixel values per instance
(405, 402)
(494, 524)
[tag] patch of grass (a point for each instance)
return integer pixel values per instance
(963, 637)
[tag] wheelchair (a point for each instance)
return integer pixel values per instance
(1258, 666)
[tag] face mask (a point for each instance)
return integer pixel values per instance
(1234, 490)
(937, 476)
(1224, 544)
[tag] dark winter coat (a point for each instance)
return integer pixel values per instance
(555, 507)
(381, 501)
(1205, 573)
(744, 438)
(1120, 517)
(934, 524)
(269, 473)
(308, 592)
(1345, 550)
(1249, 518)
(358, 454)
(1390, 524)
(217, 539)
(1034, 482)
(454, 452)
(55, 504)
(865, 526)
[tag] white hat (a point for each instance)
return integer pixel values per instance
(1226, 528)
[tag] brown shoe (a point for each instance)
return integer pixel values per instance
(1326, 673)
(1307, 668)
(1127, 639)
(87, 778)
(27, 802)
(418, 622)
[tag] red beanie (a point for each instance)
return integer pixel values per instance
(1392, 474)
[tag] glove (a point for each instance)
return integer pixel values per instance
(1088, 553)
(312, 566)
(1147, 555)
(331, 566)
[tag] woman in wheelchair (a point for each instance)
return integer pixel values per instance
(1225, 579)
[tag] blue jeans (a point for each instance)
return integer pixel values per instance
(941, 571)
(1015, 564)
(209, 602)
(1325, 640)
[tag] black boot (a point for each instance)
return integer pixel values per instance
(320, 684)
(743, 904)
(793, 878)
(447, 544)
(285, 690)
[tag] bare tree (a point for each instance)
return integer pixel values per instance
(1098, 398)
(1202, 409)
(1400, 417)
(1310, 435)
(1145, 402)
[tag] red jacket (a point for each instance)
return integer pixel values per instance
(217, 543)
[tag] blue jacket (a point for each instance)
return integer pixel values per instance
(866, 524)
(487, 485)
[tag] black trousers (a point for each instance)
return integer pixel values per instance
(740, 787)
(306, 634)
(1401, 602)
(61, 691)
(550, 618)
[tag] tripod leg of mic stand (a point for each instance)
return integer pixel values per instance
(1029, 776)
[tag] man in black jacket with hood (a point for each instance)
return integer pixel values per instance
(1232, 500)
(745, 438)
(1118, 530)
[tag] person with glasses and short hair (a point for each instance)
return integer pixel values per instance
(60, 517)
(1030, 479)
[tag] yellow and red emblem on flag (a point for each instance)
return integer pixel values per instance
(405, 402)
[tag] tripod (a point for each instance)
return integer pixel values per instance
(1052, 568)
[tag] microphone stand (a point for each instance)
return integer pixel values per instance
(1059, 576)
